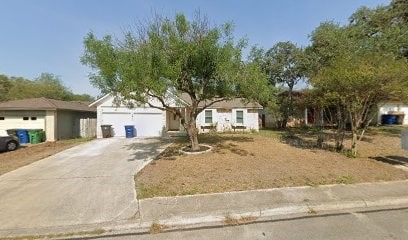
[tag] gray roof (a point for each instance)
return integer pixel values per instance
(232, 103)
(45, 104)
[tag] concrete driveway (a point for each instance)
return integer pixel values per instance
(87, 184)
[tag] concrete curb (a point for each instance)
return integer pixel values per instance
(211, 210)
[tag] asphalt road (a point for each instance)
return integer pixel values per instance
(382, 224)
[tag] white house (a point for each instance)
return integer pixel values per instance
(235, 114)
(393, 107)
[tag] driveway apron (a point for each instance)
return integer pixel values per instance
(87, 184)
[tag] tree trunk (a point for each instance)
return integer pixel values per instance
(288, 112)
(192, 132)
(339, 136)
(354, 143)
(354, 127)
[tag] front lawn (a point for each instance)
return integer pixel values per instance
(267, 159)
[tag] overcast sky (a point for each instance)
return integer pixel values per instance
(46, 35)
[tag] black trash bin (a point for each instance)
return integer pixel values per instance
(400, 119)
(106, 131)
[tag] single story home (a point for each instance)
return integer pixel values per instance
(227, 115)
(59, 119)
(393, 107)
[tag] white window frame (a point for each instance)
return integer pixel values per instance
(212, 116)
(244, 116)
(236, 117)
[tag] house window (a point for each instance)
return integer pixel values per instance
(33, 118)
(208, 116)
(25, 118)
(1, 118)
(240, 116)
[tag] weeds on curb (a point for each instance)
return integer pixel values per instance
(156, 228)
(311, 211)
(237, 221)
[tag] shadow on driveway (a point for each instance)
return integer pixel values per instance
(146, 147)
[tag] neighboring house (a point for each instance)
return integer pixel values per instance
(302, 114)
(149, 122)
(393, 107)
(59, 119)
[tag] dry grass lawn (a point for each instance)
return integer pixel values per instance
(266, 160)
(25, 155)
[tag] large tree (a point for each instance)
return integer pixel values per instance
(355, 67)
(179, 56)
(354, 85)
(45, 85)
(5, 86)
(285, 66)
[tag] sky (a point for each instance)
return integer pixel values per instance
(47, 35)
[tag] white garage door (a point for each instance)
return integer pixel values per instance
(13, 122)
(146, 124)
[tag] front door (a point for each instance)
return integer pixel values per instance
(174, 122)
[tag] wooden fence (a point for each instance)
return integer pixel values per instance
(87, 127)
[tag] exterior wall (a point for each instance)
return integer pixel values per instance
(173, 122)
(51, 126)
(14, 119)
(384, 108)
(65, 125)
(253, 119)
(225, 119)
(57, 125)
(68, 123)
(107, 110)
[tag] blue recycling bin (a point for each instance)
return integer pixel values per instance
(130, 131)
(388, 119)
(23, 135)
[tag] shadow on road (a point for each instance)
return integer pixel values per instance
(394, 160)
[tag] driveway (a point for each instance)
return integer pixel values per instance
(87, 184)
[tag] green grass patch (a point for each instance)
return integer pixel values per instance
(77, 140)
(392, 130)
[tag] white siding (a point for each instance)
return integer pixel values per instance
(15, 119)
(148, 121)
(224, 120)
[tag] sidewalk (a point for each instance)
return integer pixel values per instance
(210, 208)
(213, 209)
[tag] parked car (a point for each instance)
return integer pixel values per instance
(9, 143)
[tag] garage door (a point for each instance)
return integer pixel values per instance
(13, 122)
(146, 124)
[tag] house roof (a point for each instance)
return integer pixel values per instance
(232, 103)
(99, 100)
(45, 104)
